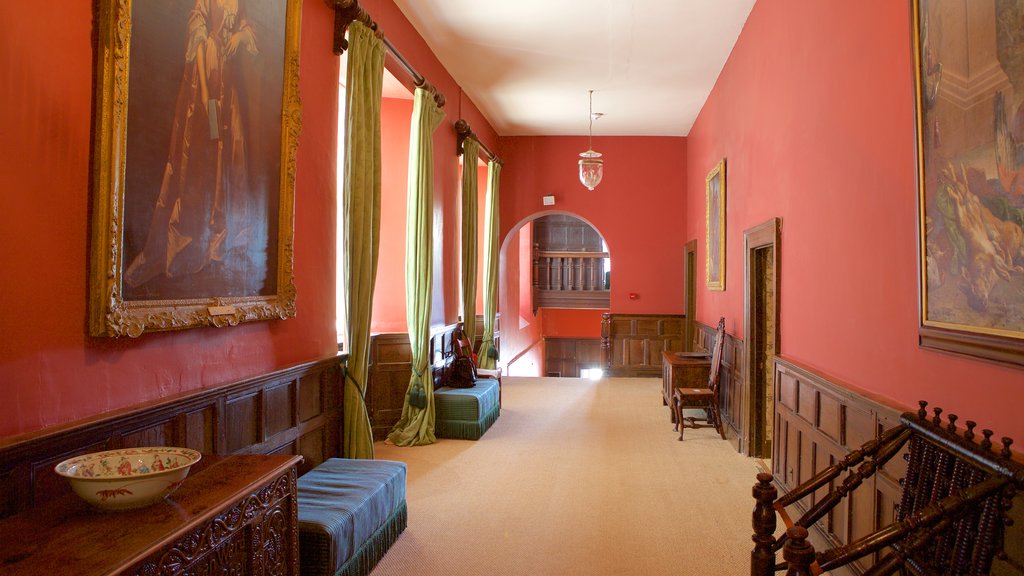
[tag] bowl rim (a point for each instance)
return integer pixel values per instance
(193, 455)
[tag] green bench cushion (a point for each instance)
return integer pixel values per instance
(466, 413)
(343, 504)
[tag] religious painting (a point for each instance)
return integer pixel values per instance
(195, 133)
(969, 76)
(715, 207)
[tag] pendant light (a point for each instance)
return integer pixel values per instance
(591, 165)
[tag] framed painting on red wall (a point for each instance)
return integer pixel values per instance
(714, 202)
(195, 133)
(969, 78)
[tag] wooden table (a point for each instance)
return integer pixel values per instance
(233, 514)
(683, 370)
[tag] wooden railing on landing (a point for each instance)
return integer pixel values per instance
(563, 279)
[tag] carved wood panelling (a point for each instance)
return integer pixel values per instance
(631, 344)
(565, 233)
(731, 379)
(565, 357)
(818, 421)
(390, 371)
(257, 415)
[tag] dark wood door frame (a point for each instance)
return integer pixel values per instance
(690, 282)
(766, 234)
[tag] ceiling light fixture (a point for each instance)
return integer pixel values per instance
(591, 165)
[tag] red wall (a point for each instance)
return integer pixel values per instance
(639, 208)
(51, 371)
(817, 125)
(54, 373)
(389, 291)
(566, 323)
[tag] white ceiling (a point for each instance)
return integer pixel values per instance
(528, 64)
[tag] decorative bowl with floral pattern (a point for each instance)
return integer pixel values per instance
(128, 478)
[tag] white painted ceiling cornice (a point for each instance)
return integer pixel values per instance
(528, 64)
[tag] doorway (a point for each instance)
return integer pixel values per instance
(761, 335)
(690, 283)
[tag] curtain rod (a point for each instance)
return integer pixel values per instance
(464, 131)
(348, 11)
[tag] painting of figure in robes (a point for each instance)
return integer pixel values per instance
(203, 149)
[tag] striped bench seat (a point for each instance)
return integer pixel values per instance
(350, 513)
(466, 413)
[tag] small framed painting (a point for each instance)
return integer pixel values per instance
(715, 204)
(195, 133)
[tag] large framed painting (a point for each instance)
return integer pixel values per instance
(715, 220)
(195, 132)
(969, 76)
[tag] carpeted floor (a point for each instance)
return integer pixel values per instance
(576, 477)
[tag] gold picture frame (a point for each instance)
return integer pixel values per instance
(195, 136)
(969, 99)
(714, 202)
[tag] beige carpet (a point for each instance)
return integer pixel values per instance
(576, 477)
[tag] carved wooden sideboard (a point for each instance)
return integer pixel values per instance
(232, 515)
(683, 370)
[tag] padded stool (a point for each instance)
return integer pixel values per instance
(466, 413)
(350, 513)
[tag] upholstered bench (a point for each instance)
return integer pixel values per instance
(350, 513)
(466, 413)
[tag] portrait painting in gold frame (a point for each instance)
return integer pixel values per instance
(195, 134)
(969, 80)
(715, 220)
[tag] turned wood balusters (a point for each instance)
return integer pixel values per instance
(950, 519)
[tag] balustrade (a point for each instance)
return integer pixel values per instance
(565, 279)
(569, 271)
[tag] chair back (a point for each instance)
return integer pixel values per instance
(716, 356)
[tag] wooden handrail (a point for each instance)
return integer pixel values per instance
(559, 254)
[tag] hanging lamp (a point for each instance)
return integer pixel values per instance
(591, 165)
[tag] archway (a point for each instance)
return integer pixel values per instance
(551, 301)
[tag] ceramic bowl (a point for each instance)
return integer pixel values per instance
(128, 478)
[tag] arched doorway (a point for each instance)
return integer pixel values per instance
(555, 284)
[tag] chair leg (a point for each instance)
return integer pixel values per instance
(716, 419)
(678, 410)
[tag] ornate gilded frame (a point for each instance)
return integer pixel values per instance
(959, 184)
(110, 312)
(714, 202)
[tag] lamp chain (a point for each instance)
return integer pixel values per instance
(590, 141)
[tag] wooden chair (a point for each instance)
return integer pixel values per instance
(704, 398)
(951, 516)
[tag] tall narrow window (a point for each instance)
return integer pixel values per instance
(341, 287)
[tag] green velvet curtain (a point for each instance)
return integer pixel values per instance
(470, 150)
(488, 355)
(361, 191)
(417, 424)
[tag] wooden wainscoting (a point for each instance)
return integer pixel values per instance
(565, 357)
(817, 422)
(389, 373)
(297, 410)
(731, 379)
(631, 344)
